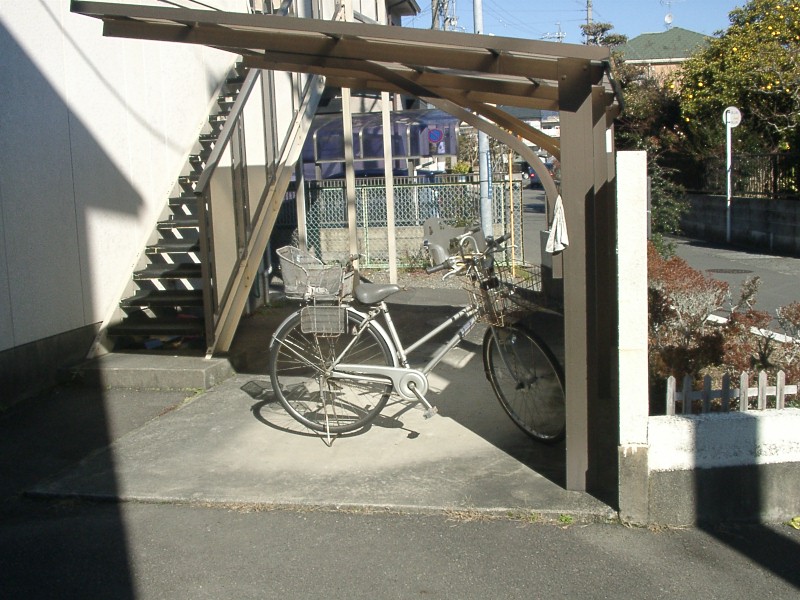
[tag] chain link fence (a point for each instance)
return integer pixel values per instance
(454, 198)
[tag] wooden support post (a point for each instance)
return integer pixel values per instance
(590, 275)
(388, 173)
(577, 193)
(349, 172)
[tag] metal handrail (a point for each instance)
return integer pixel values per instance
(226, 133)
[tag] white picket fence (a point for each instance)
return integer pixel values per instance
(686, 396)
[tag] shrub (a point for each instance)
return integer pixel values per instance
(682, 339)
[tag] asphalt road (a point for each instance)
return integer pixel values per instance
(80, 550)
(779, 275)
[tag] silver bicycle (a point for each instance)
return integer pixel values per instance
(335, 362)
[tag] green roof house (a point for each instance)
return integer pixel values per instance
(662, 53)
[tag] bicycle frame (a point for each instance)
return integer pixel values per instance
(409, 383)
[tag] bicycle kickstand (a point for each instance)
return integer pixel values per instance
(429, 409)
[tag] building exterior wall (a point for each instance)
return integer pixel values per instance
(95, 133)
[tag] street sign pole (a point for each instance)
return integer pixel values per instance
(731, 116)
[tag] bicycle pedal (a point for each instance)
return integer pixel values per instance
(430, 412)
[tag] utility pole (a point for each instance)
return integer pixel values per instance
(436, 12)
(444, 15)
(483, 145)
(588, 12)
(558, 36)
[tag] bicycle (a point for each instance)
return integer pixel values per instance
(333, 366)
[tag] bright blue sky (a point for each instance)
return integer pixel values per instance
(534, 19)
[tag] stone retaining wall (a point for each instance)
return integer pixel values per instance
(767, 225)
(717, 467)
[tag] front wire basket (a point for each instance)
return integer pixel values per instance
(502, 290)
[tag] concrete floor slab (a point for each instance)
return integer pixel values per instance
(236, 445)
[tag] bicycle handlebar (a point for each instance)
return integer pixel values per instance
(437, 268)
(472, 231)
(491, 242)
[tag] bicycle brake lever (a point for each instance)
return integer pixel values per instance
(457, 270)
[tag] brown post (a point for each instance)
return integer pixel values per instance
(590, 329)
(604, 410)
(577, 188)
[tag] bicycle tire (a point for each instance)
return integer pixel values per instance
(527, 380)
(298, 362)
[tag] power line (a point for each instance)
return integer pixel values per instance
(558, 36)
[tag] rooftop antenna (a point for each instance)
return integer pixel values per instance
(669, 18)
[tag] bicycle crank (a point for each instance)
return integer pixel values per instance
(409, 383)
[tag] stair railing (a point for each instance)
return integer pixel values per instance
(234, 232)
(223, 235)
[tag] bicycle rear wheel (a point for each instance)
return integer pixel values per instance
(299, 365)
(527, 380)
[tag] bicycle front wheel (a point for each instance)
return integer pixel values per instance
(300, 368)
(527, 380)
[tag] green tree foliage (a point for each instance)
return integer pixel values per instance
(651, 122)
(754, 65)
(600, 34)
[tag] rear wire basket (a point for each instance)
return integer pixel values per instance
(305, 277)
(505, 290)
(323, 320)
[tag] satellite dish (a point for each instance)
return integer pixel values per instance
(668, 19)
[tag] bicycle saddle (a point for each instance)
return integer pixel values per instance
(370, 293)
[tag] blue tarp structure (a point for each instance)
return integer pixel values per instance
(416, 134)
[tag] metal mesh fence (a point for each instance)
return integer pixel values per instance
(456, 199)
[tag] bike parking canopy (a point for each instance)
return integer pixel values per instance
(471, 77)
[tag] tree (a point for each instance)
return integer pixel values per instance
(651, 122)
(599, 34)
(754, 65)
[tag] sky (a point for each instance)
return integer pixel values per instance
(540, 19)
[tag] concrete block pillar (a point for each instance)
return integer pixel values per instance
(632, 307)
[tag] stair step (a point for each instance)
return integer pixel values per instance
(226, 101)
(162, 298)
(173, 246)
(188, 200)
(233, 84)
(207, 140)
(158, 327)
(218, 121)
(193, 176)
(178, 221)
(197, 161)
(179, 271)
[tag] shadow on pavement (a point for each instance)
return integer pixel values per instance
(466, 397)
(49, 548)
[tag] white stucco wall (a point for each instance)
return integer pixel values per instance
(94, 134)
(680, 443)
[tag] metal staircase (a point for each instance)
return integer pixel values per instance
(168, 307)
(205, 258)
